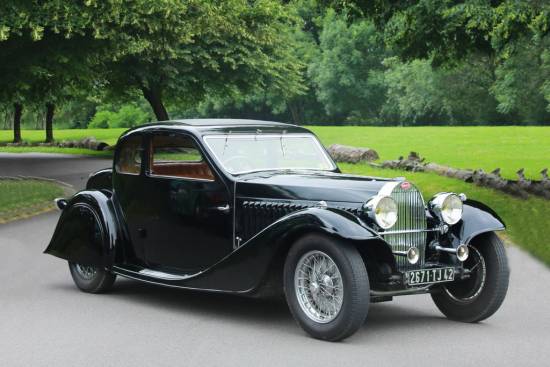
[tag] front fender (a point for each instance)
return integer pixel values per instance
(477, 218)
(339, 223)
(87, 231)
(245, 268)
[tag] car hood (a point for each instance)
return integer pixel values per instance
(309, 185)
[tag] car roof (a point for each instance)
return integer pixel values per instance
(226, 122)
(219, 126)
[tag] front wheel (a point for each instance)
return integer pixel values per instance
(91, 279)
(478, 297)
(326, 287)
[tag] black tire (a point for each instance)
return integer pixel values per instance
(99, 282)
(355, 300)
(473, 300)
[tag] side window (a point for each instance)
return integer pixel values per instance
(129, 156)
(178, 156)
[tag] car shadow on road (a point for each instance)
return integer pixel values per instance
(385, 316)
(382, 316)
(384, 320)
(222, 305)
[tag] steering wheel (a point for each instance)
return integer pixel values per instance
(243, 163)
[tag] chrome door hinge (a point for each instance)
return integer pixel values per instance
(237, 242)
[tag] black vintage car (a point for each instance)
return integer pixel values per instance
(255, 208)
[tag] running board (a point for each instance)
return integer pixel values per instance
(181, 281)
(150, 274)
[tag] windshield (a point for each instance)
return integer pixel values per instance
(247, 153)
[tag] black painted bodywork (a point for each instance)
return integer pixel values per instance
(230, 234)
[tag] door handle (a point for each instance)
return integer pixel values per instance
(223, 208)
(142, 232)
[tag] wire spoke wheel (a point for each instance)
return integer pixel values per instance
(86, 272)
(479, 295)
(469, 289)
(319, 287)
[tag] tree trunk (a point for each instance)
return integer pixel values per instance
(50, 110)
(155, 100)
(344, 153)
(295, 112)
(18, 111)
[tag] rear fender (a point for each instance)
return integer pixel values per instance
(87, 231)
(101, 180)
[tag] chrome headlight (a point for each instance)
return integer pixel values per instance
(447, 207)
(383, 209)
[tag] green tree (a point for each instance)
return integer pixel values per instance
(448, 30)
(14, 78)
(170, 51)
(178, 52)
(349, 72)
(420, 93)
(413, 94)
(522, 81)
(58, 70)
(42, 59)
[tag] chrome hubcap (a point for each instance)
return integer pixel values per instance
(318, 285)
(86, 272)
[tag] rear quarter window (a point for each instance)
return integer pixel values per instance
(128, 160)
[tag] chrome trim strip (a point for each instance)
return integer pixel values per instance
(137, 276)
(235, 244)
(409, 231)
(183, 178)
(161, 275)
(402, 292)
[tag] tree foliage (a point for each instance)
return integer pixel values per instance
(447, 30)
(304, 61)
(180, 51)
(349, 73)
(168, 50)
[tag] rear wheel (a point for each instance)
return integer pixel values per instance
(480, 296)
(91, 279)
(326, 287)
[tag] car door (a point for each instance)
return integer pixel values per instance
(128, 191)
(190, 221)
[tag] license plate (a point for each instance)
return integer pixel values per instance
(428, 276)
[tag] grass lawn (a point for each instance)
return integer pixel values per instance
(77, 151)
(509, 148)
(526, 220)
(21, 197)
(109, 136)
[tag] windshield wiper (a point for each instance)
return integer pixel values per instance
(225, 142)
(282, 144)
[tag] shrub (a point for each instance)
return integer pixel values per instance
(128, 115)
(101, 120)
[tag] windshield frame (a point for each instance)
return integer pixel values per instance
(230, 135)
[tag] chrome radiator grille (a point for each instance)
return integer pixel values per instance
(411, 219)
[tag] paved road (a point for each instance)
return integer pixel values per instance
(71, 169)
(46, 321)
